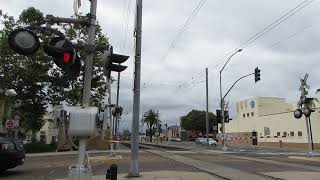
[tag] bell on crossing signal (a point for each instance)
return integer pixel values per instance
(257, 74)
(64, 55)
(109, 58)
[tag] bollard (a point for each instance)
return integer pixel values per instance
(112, 172)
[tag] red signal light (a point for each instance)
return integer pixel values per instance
(66, 57)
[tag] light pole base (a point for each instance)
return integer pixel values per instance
(310, 154)
(224, 148)
(79, 172)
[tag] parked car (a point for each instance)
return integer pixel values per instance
(199, 140)
(26, 141)
(212, 142)
(175, 139)
(11, 154)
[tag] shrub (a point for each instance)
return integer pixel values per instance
(36, 147)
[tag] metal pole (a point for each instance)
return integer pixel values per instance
(311, 137)
(134, 163)
(117, 105)
(224, 148)
(110, 116)
(222, 115)
(207, 109)
(88, 74)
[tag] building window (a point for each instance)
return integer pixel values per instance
(248, 114)
(252, 113)
(291, 133)
(285, 134)
(244, 115)
(278, 133)
(299, 133)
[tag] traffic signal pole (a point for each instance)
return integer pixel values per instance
(207, 109)
(88, 73)
(134, 160)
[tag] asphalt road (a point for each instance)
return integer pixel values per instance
(56, 167)
(248, 160)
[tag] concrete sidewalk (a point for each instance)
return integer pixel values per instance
(73, 153)
(164, 175)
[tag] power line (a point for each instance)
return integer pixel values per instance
(127, 25)
(289, 37)
(253, 38)
(122, 24)
(179, 35)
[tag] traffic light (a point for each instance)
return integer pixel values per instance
(117, 110)
(257, 74)
(64, 54)
(226, 116)
(218, 113)
(109, 58)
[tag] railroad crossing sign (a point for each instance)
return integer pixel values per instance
(10, 124)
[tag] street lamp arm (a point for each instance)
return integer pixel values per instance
(236, 83)
(239, 50)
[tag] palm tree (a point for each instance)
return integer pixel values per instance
(152, 120)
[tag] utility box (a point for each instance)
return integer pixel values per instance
(83, 121)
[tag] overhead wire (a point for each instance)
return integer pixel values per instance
(127, 25)
(182, 30)
(249, 41)
(122, 25)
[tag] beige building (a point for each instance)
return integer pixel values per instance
(273, 121)
(49, 132)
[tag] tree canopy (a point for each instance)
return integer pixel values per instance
(152, 120)
(196, 120)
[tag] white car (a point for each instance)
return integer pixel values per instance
(212, 142)
(200, 140)
(176, 140)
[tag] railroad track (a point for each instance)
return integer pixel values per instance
(154, 149)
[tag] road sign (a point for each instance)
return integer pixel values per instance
(10, 124)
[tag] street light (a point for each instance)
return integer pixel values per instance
(221, 102)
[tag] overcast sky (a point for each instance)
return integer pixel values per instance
(284, 54)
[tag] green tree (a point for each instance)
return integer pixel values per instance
(152, 120)
(196, 120)
(126, 134)
(27, 75)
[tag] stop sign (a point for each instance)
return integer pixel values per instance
(9, 124)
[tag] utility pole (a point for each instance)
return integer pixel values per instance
(134, 162)
(88, 73)
(207, 109)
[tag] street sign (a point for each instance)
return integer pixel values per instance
(10, 124)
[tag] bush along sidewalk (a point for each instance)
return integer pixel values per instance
(37, 147)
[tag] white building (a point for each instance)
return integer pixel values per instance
(273, 121)
(49, 132)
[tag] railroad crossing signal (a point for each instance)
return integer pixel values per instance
(64, 54)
